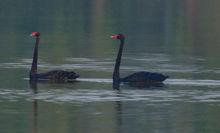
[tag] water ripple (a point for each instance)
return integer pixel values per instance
(193, 82)
(87, 95)
(154, 63)
(179, 82)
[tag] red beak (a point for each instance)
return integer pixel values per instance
(114, 36)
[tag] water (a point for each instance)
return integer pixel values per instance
(180, 39)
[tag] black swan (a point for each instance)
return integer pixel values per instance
(145, 78)
(54, 75)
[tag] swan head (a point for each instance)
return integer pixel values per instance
(35, 34)
(118, 36)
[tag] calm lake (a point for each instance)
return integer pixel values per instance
(177, 38)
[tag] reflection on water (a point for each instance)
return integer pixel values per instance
(34, 89)
(67, 95)
(149, 96)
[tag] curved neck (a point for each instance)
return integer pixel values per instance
(35, 57)
(116, 74)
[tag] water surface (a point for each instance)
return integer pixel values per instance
(180, 39)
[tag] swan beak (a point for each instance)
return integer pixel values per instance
(114, 37)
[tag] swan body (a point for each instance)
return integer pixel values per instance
(144, 77)
(54, 75)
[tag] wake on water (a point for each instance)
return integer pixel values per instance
(189, 82)
(180, 82)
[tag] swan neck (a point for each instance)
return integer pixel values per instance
(35, 58)
(116, 73)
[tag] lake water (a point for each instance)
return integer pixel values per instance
(177, 38)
